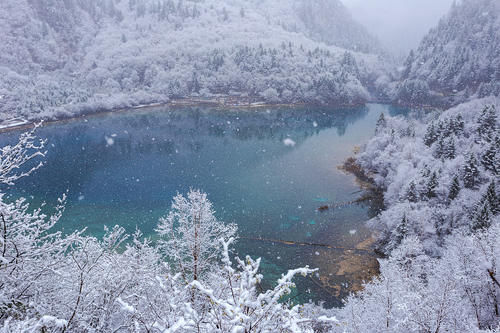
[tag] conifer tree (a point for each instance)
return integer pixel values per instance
(381, 123)
(440, 225)
(471, 173)
(412, 193)
(400, 233)
(449, 150)
(440, 147)
(425, 172)
(431, 186)
(459, 125)
(492, 198)
(454, 189)
(487, 124)
(489, 160)
(482, 220)
(430, 135)
(441, 129)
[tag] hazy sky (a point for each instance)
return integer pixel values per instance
(399, 24)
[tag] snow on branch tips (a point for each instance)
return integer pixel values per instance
(13, 158)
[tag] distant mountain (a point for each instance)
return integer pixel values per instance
(60, 58)
(458, 60)
(330, 22)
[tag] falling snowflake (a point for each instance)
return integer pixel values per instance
(109, 141)
(289, 142)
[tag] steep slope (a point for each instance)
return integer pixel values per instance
(330, 22)
(458, 60)
(77, 56)
(439, 174)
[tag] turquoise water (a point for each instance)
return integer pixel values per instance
(268, 170)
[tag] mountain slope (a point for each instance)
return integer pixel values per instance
(60, 59)
(457, 60)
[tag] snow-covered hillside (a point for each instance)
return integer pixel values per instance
(63, 58)
(458, 60)
(440, 226)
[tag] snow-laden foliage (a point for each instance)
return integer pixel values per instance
(191, 235)
(440, 226)
(458, 60)
(436, 173)
(59, 59)
(54, 282)
(15, 160)
(459, 292)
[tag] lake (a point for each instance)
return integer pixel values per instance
(266, 169)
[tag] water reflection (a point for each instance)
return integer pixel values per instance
(124, 168)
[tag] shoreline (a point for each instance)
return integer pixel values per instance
(21, 124)
(373, 193)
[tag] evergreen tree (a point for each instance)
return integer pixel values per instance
(440, 147)
(482, 220)
(441, 129)
(492, 198)
(412, 193)
(489, 159)
(449, 150)
(459, 125)
(487, 124)
(471, 173)
(440, 224)
(425, 172)
(454, 189)
(431, 186)
(431, 135)
(381, 123)
(400, 233)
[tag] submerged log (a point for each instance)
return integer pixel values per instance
(345, 204)
(292, 243)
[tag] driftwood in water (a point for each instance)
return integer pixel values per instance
(344, 204)
(292, 243)
(323, 287)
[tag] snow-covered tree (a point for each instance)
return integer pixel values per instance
(442, 255)
(432, 184)
(112, 44)
(454, 188)
(381, 123)
(190, 235)
(490, 159)
(471, 172)
(457, 60)
(492, 198)
(412, 193)
(13, 158)
(487, 124)
(239, 307)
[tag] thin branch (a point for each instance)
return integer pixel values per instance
(492, 275)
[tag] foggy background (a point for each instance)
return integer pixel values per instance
(399, 24)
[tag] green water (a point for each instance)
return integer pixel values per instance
(268, 170)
